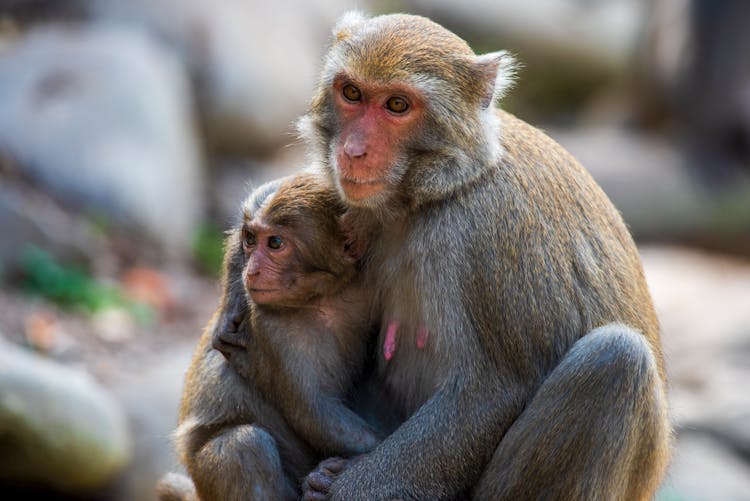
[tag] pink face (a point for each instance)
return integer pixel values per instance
(376, 119)
(270, 269)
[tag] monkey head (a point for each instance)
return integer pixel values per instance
(295, 243)
(403, 110)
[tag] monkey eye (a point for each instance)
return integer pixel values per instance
(397, 104)
(248, 239)
(275, 242)
(351, 93)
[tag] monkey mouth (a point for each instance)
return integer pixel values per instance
(264, 296)
(361, 182)
(360, 189)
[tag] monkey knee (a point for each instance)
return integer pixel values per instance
(639, 402)
(616, 351)
(176, 487)
(245, 446)
(257, 443)
(241, 463)
(617, 336)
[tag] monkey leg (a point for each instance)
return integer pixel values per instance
(242, 463)
(597, 428)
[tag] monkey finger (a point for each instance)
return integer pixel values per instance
(314, 496)
(334, 465)
(319, 481)
(316, 486)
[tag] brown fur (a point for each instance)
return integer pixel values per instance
(251, 428)
(542, 377)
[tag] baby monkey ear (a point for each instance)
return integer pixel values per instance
(496, 72)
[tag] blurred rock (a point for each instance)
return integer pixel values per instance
(39, 11)
(703, 470)
(102, 117)
(115, 325)
(33, 219)
(647, 179)
(570, 51)
(234, 179)
(254, 62)
(694, 71)
(660, 59)
(151, 396)
(702, 302)
(59, 427)
(605, 30)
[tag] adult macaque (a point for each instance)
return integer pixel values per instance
(516, 325)
(299, 345)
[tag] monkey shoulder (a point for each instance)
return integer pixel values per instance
(537, 168)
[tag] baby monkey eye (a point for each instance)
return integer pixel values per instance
(351, 93)
(275, 242)
(397, 104)
(248, 239)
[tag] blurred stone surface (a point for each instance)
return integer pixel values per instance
(234, 179)
(254, 62)
(702, 301)
(660, 59)
(101, 116)
(703, 470)
(151, 398)
(40, 11)
(648, 181)
(34, 219)
(605, 30)
(571, 53)
(60, 428)
(694, 70)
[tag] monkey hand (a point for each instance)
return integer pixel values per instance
(318, 483)
(231, 345)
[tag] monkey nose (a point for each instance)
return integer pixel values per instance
(253, 269)
(355, 149)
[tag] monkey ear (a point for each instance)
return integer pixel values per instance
(347, 24)
(497, 73)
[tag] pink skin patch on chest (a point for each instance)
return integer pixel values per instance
(422, 335)
(389, 345)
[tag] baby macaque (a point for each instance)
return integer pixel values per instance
(253, 425)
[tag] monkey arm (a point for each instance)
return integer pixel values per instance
(454, 434)
(232, 345)
(318, 416)
(328, 425)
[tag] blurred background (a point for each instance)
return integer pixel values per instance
(131, 129)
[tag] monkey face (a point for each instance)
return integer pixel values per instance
(296, 244)
(376, 119)
(403, 113)
(270, 269)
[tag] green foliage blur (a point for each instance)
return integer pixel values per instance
(208, 249)
(73, 288)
